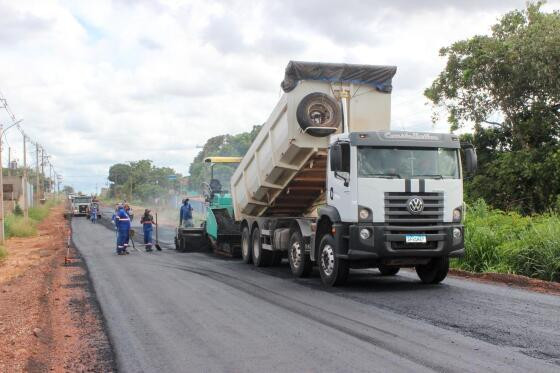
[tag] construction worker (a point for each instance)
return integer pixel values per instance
(147, 221)
(185, 215)
(122, 222)
(93, 215)
(128, 210)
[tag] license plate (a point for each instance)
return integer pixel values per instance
(415, 238)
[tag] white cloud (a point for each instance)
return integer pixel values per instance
(114, 81)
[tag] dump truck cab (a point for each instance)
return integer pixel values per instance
(393, 198)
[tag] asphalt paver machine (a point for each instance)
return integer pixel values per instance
(218, 231)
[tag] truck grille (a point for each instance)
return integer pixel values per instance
(397, 213)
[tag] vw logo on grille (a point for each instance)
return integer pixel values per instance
(415, 205)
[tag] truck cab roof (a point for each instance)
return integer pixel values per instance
(401, 139)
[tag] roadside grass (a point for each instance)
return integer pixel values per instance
(39, 213)
(16, 225)
(496, 241)
(3, 253)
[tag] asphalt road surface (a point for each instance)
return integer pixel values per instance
(192, 312)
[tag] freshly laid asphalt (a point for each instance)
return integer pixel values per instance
(195, 312)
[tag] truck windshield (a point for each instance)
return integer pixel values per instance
(82, 200)
(436, 163)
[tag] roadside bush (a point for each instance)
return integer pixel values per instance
(537, 252)
(3, 252)
(496, 241)
(18, 226)
(18, 210)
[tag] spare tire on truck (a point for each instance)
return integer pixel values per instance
(318, 114)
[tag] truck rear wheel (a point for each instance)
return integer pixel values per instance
(434, 272)
(334, 271)
(300, 263)
(246, 246)
(388, 271)
(261, 258)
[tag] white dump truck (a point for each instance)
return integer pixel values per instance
(327, 182)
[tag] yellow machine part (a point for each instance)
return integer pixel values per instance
(222, 159)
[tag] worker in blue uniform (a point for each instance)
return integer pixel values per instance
(185, 214)
(122, 222)
(147, 221)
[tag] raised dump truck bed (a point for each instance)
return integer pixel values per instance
(283, 172)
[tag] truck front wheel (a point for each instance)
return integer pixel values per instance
(246, 247)
(434, 272)
(334, 271)
(300, 263)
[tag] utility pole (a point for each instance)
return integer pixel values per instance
(25, 196)
(37, 183)
(1, 190)
(43, 173)
(51, 180)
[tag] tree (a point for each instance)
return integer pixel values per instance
(68, 189)
(119, 173)
(506, 85)
(507, 80)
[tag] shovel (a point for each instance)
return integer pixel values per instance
(158, 247)
(131, 236)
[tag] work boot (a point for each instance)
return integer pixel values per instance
(148, 248)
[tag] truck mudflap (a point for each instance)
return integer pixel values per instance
(391, 242)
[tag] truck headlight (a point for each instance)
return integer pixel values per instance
(365, 233)
(457, 234)
(364, 213)
(457, 215)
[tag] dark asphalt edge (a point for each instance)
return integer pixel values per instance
(96, 305)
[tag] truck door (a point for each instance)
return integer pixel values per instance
(339, 185)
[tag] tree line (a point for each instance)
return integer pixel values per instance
(142, 180)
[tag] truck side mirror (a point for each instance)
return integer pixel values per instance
(336, 157)
(470, 160)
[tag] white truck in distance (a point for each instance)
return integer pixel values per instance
(80, 205)
(326, 182)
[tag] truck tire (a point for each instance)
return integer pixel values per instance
(388, 271)
(246, 246)
(434, 272)
(300, 263)
(318, 110)
(261, 258)
(334, 271)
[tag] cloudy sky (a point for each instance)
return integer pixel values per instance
(101, 82)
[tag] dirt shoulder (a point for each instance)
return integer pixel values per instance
(518, 281)
(49, 317)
